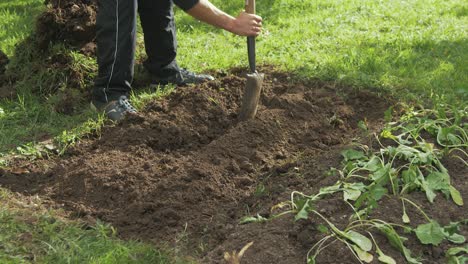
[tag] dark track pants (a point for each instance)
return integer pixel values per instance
(116, 42)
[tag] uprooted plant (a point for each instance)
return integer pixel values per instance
(410, 163)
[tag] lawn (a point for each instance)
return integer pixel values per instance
(412, 48)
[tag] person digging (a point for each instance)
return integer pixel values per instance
(116, 42)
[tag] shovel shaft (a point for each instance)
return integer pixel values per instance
(251, 54)
(250, 8)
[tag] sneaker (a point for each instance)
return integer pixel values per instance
(183, 77)
(114, 110)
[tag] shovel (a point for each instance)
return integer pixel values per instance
(253, 86)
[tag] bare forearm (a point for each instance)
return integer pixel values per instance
(244, 24)
(205, 11)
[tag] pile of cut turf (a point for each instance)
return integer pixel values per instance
(72, 22)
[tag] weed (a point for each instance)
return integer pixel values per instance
(30, 151)
(69, 138)
(453, 255)
(260, 190)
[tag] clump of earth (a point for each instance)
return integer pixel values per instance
(72, 22)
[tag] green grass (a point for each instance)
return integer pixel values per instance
(38, 121)
(413, 49)
(27, 117)
(17, 21)
(31, 233)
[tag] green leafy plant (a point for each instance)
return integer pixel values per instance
(31, 151)
(411, 164)
(457, 255)
(433, 233)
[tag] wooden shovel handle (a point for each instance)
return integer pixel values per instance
(250, 6)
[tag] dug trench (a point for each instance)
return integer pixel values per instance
(184, 171)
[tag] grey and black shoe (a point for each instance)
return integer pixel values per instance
(183, 77)
(114, 110)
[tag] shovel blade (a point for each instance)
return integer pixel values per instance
(252, 92)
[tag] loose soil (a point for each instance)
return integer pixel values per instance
(72, 22)
(184, 171)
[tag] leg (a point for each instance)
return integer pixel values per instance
(116, 36)
(157, 21)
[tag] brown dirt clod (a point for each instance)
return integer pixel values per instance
(69, 21)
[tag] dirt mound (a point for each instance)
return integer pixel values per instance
(70, 23)
(187, 159)
(67, 21)
(184, 171)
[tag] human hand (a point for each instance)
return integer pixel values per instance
(246, 25)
